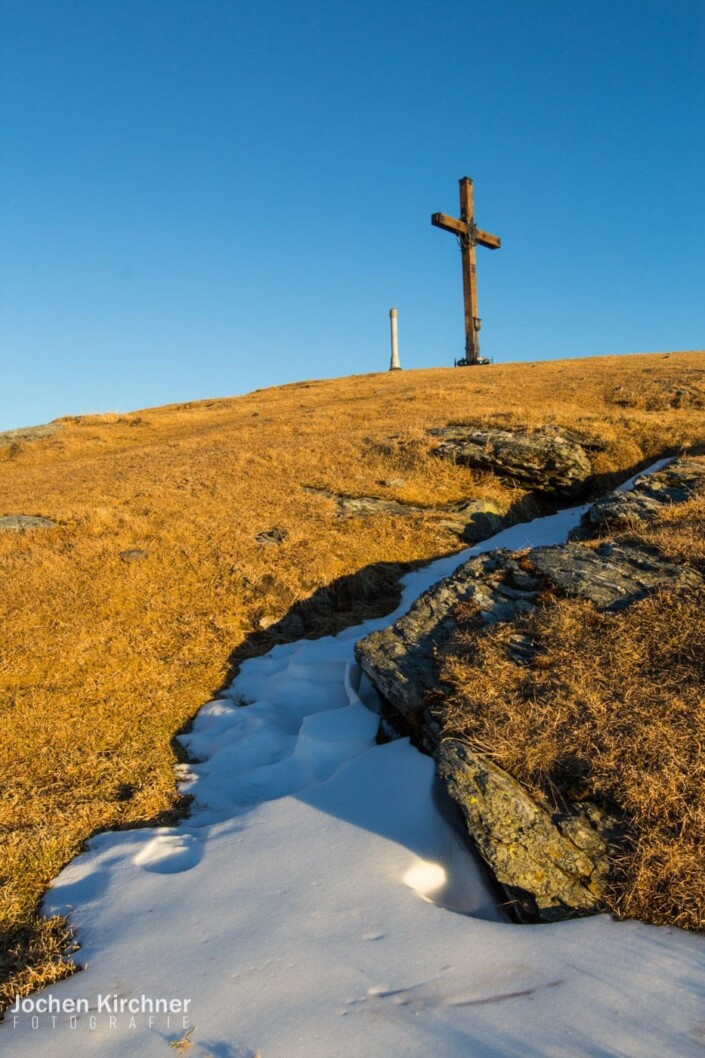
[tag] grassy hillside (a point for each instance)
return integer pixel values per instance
(106, 656)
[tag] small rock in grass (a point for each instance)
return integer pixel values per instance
(18, 523)
(272, 536)
(135, 554)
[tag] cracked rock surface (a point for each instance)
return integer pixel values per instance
(650, 494)
(611, 576)
(545, 460)
(400, 659)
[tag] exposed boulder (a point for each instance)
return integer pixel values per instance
(349, 506)
(19, 523)
(545, 460)
(291, 626)
(650, 494)
(550, 866)
(134, 554)
(352, 506)
(272, 536)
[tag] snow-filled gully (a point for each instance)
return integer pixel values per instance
(303, 907)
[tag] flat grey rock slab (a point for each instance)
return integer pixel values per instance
(350, 506)
(545, 460)
(19, 523)
(611, 576)
(473, 520)
(353, 506)
(650, 495)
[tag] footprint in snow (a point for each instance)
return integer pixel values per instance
(170, 853)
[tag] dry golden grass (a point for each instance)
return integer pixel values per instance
(104, 660)
(612, 708)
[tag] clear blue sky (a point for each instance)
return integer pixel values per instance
(202, 197)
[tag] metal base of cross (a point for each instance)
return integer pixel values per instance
(479, 362)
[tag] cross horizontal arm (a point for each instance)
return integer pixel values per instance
(442, 220)
(493, 242)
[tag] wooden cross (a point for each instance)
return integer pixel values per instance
(470, 235)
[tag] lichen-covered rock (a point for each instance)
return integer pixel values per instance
(545, 460)
(472, 520)
(19, 523)
(272, 536)
(356, 506)
(350, 506)
(550, 869)
(648, 497)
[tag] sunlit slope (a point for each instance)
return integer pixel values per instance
(105, 655)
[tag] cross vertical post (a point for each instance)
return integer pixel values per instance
(469, 260)
(469, 236)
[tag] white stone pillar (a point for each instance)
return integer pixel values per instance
(394, 365)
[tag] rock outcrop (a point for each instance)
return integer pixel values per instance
(650, 494)
(134, 554)
(400, 660)
(551, 865)
(472, 520)
(546, 460)
(272, 536)
(351, 506)
(611, 576)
